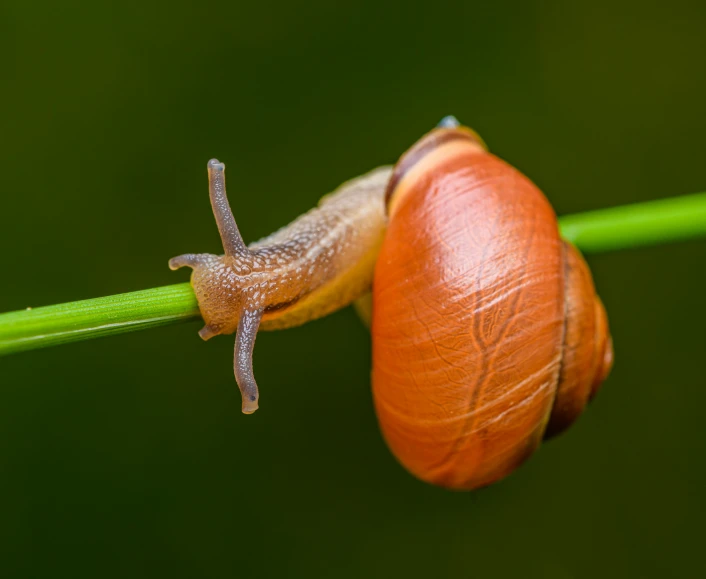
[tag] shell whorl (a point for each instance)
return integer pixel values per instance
(588, 349)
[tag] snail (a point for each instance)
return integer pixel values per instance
(487, 332)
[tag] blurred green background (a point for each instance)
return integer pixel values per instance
(129, 457)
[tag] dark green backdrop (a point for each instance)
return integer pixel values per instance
(129, 457)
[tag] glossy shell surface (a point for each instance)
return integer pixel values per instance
(469, 314)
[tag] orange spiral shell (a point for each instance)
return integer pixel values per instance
(484, 320)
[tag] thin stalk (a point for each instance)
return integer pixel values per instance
(637, 225)
(641, 224)
(74, 321)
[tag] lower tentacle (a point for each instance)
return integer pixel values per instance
(242, 363)
(192, 260)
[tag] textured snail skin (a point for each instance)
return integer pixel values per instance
(474, 295)
(317, 264)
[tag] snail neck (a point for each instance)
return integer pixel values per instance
(325, 259)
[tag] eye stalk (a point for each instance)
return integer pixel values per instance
(233, 243)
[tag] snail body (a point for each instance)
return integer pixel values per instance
(487, 332)
(317, 264)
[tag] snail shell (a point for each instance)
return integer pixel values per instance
(487, 331)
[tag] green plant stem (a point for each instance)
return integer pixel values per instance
(611, 229)
(63, 323)
(641, 224)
